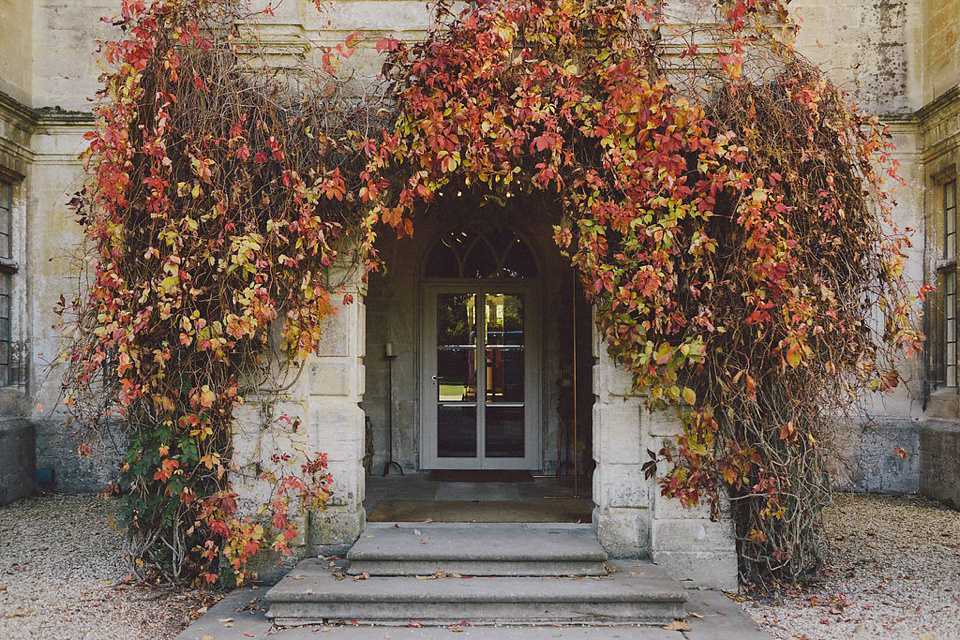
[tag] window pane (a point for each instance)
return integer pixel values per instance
(505, 375)
(456, 431)
(480, 262)
(950, 327)
(456, 375)
(504, 319)
(950, 219)
(504, 432)
(6, 207)
(442, 262)
(519, 262)
(6, 364)
(456, 319)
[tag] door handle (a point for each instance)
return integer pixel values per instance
(436, 378)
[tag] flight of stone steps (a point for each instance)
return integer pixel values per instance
(446, 573)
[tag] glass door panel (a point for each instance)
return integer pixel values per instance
(480, 369)
(456, 377)
(504, 432)
(504, 389)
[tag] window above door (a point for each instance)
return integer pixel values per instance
(480, 250)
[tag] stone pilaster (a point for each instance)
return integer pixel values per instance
(317, 412)
(631, 518)
(621, 516)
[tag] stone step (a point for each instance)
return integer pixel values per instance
(388, 549)
(318, 591)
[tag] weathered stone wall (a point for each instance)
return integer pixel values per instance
(313, 409)
(64, 51)
(940, 461)
(869, 48)
(16, 49)
(868, 460)
(940, 41)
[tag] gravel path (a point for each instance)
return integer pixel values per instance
(61, 577)
(895, 573)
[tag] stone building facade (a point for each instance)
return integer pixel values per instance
(547, 394)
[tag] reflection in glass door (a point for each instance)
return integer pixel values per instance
(479, 381)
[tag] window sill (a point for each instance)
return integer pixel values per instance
(944, 403)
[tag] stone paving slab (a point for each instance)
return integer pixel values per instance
(503, 550)
(721, 620)
(317, 591)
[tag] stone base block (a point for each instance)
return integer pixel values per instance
(622, 532)
(271, 567)
(333, 532)
(710, 569)
(693, 535)
(18, 456)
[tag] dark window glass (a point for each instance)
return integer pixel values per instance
(478, 251)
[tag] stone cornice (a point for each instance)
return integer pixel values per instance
(57, 117)
(942, 102)
(14, 110)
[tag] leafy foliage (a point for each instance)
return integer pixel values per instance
(221, 196)
(726, 213)
(724, 206)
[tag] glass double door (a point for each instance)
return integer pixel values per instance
(479, 404)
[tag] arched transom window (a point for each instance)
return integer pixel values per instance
(480, 250)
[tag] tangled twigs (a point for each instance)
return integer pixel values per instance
(222, 192)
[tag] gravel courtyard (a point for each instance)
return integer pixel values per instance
(895, 573)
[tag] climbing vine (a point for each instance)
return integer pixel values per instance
(726, 212)
(222, 193)
(725, 208)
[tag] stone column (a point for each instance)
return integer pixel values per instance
(317, 412)
(621, 516)
(335, 386)
(631, 518)
(684, 541)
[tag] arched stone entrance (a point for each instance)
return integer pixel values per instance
(351, 381)
(475, 310)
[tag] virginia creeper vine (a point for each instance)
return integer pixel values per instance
(724, 207)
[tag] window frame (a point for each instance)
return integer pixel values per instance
(12, 370)
(943, 326)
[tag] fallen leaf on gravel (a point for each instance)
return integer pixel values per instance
(363, 576)
(415, 625)
(456, 629)
(299, 577)
(678, 625)
(207, 638)
(695, 615)
(224, 620)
